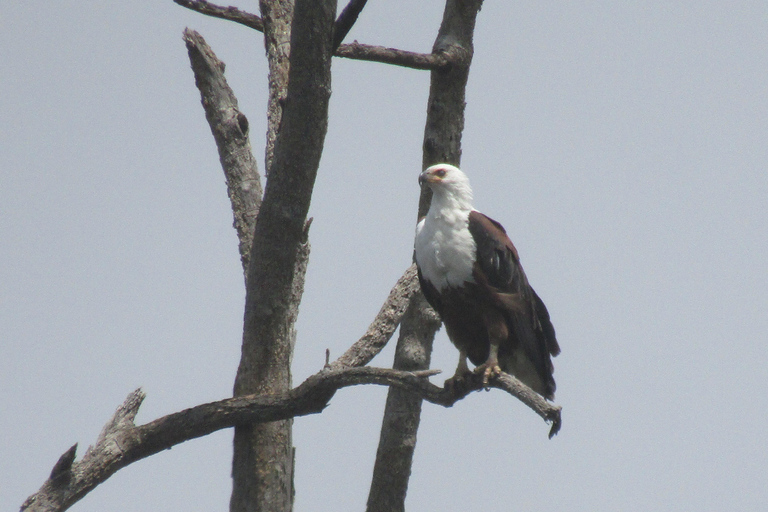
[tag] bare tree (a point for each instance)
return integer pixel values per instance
(272, 226)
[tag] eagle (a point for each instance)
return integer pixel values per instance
(471, 275)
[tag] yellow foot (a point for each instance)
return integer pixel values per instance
(489, 370)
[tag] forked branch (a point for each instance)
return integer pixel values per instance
(122, 442)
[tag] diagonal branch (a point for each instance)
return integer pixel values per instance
(384, 325)
(225, 13)
(230, 130)
(122, 442)
(346, 20)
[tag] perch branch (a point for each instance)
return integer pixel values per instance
(122, 442)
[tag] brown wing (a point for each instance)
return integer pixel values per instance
(498, 271)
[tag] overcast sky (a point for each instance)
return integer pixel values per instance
(624, 145)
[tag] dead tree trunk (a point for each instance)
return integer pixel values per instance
(262, 468)
(300, 40)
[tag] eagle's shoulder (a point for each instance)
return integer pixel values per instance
(497, 260)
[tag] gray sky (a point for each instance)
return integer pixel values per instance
(623, 145)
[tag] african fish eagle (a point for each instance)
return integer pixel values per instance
(471, 275)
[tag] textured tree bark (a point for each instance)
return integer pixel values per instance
(226, 13)
(277, 17)
(402, 413)
(442, 143)
(262, 468)
(262, 464)
(414, 60)
(230, 131)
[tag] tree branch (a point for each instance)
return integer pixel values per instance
(277, 17)
(402, 413)
(225, 13)
(230, 130)
(343, 24)
(122, 442)
(393, 56)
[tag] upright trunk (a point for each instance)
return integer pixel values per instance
(262, 468)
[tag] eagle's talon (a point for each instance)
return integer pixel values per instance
(489, 371)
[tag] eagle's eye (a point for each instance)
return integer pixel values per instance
(440, 173)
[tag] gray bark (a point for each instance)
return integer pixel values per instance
(230, 131)
(393, 56)
(262, 463)
(402, 412)
(277, 17)
(226, 13)
(262, 467)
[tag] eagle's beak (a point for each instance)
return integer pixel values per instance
(424, 177)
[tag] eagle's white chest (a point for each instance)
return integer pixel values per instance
(445, 249)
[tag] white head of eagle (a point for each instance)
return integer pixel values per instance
(470, 273)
